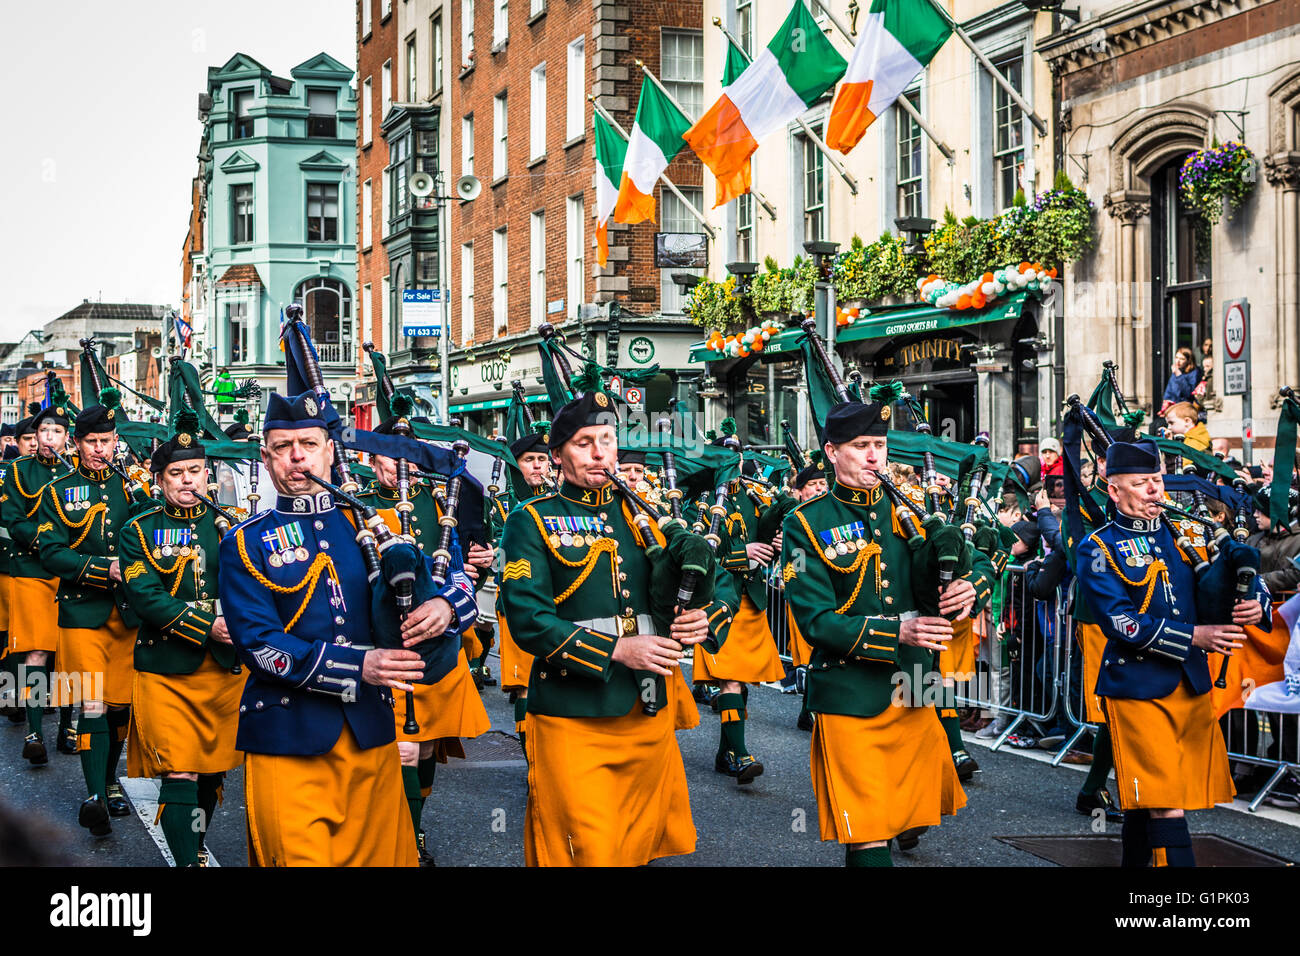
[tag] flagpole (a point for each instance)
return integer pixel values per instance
(902, 102)
(690, 207)
(807, 130)
(758, 196)
(993, 71)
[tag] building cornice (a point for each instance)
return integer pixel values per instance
(1132, 26)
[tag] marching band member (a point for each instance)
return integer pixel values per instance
(322, 773)
(185, 699)
(880, 759)
(81, 517)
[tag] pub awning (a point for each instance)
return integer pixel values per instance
(924, 318)
(888, 322)
(493, 403)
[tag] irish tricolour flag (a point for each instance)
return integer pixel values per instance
(656, 138)
(786, 77)
(610, 152)
(900, 37)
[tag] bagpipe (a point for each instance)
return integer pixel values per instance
(1225, 575)
(399, 578)
(940, 551)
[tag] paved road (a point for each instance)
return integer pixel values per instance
(475, 815)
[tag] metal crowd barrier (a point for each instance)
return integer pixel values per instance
(777, 619)
(1029, 634)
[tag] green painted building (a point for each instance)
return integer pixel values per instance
(278, 173)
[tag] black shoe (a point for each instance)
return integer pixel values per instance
(34, 750)
(965, 764)
(93, 815)
(117, 805)
(909, 839)
(1087, 803)
(700, 692)
(486, 673)
(744, 769)
(204, 855)
(426, 858)
(67, 743)
(806, 721)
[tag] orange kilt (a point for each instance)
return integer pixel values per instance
(958, 659)
(877, 776)
(185, 723)
(748, 655)
(516, 665)
(450, 708)
(606, 791)
(1169, 752)
(686, 715)
(92, 651)
(346, 807)
(1092, 644)
(33, 615)
(800, 650)
(4, 605)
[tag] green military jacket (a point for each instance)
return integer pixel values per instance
(171, 574)
(6, 543)
(576, 579)
(742, 529)
(20, 498)
(848, 582)
(80, 522)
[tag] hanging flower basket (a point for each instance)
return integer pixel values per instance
(1218, 176)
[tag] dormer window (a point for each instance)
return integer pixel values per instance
(322, 113)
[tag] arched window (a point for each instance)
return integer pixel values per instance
(397, 342)
(327, 310)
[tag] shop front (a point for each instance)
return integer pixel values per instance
(481, 376)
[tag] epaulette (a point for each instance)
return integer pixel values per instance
(143, 514)
(250, 519)
(916, 495)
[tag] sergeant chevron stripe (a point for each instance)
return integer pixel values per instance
(134, 571)
(518, 569)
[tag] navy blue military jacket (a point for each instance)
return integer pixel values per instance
(1142, 592)
(297, 604)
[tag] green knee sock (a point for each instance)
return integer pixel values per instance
(952, 727)
(93, 746)
(37, 687)
(1102, 761)
(411, 784)
(65, 718)
(209, 785)
(178, 802)
(425, 770)
(870, 856)
(731, 708)
(118, 719)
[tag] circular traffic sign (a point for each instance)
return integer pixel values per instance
(1234, 330)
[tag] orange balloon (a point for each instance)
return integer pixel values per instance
(977, 300)
(758, 345)
(1025, 266)
(1052, 272)
(987, 277)
(963, 301)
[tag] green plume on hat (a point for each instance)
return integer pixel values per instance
(110, 397)
(589, 379)
(1134, 418)
(402, 405)
(241, 416)
(541, 426)
(710, 435)
(187, 422)
(817, 457)
(887, 393)
(33, 408)
(728, 427)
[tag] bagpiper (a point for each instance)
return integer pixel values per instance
(33, 624)
(606, 784)
(185, 698)
(880, 760)
(1154, 679)
(81, 517)
(809, 482)
(322, 773)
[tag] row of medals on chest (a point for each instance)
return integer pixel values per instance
(845, 545)
(573, 537)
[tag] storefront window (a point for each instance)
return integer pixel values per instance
(1182, 293)
(764, 396)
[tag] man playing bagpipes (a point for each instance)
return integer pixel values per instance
(1160, 617)
(864, 581)
(810, 481)
(33, 614)
(450, 709)
(185, 698)
(588, 587)
(80, 522)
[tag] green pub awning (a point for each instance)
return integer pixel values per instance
(494, 403)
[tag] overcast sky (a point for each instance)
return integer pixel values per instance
(101, 129)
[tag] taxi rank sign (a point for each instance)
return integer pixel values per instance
(1236, 367)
